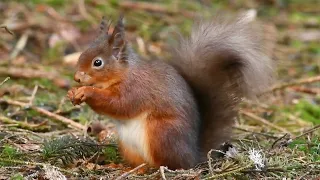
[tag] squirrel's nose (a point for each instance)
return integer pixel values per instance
(77, 76)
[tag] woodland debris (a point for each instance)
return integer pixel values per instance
(24, 125)
(124, 175)
(264, 121)
(296, 83)
(34, 73)
(154, 7)
(7, 29)
(62, 119)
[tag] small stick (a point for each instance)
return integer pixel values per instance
(124, 175)
(20, 45)
(264, 121)
(37, 164)
(5, 80)
(295, 83)
(277, 140)
(154, 7)
(32, 127)
(84, 13)
(62, 101)
(27, 73)
(258, 133)
(62, 119)
(34, 73)
(312, 91)
(163, 176)
(7, 29)
(230, 172)
(298, 120)
(307, 132)
(210, 162)
(35, 89)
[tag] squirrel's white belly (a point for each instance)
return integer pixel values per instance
(132, 133)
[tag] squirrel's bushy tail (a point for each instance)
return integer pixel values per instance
(223, 62)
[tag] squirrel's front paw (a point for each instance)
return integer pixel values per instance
(71, 93)
(78, 95)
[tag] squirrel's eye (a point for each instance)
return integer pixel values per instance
(97, 63)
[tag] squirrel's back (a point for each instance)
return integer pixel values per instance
(223, 62)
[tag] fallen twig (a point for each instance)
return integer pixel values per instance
(84, 13)
(34, 73)
(32, 127)
(20, 45)
(36, 164)
(313, 91)
(26, 73)
(124, 175)
(229, 172)
(295, 83)
(7, 29)
(163, 176)
(35, 89)
(210, 162)
(307, 132)
(258, 133)
(298, 120)
(264, 121)
(62, 119)
(5, 80)
(277, 140)
(153, 7)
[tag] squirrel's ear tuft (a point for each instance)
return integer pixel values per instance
(104, 26)
(117, 40)
(118, 32)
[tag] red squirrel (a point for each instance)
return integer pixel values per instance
(172, 113)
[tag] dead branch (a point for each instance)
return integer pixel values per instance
(26, 73)
(62, 119)
(124, 175)
(7, 29)
(237, 170)
(35, 89)
(307, 132)
(163, 176)
(253, 132)
(33, 73)
(146, 6)
(277, 140)
(312, 91)
(84, 13)
(20, 45)
(13, 161)
(5, 80)
(32, 127)
(264, 121)
(296, 83)
(210, 162)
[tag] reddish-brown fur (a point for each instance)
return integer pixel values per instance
(173, 114)
(132, 157)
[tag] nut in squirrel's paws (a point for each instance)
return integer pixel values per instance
(77, 95)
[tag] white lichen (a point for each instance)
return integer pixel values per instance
(257, 158)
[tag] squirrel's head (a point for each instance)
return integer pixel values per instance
(104, 62)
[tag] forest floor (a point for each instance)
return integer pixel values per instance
(43, 136)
